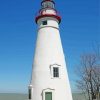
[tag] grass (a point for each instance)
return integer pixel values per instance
(79, 96)
(14, 96)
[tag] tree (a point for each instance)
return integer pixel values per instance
(89, 76)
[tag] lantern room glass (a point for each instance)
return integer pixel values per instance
(47, 4)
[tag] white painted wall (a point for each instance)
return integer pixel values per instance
(49, 51)
(52, 22)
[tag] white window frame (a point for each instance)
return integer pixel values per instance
(48, 90)
(51, 70)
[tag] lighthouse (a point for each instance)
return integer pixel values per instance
(49, 80)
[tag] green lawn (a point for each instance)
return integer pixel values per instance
(13, 96)
(79, 96)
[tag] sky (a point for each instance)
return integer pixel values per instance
(79, 30)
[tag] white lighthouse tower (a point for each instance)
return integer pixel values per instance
(49, 74)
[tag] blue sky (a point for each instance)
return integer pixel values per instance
(80, 29)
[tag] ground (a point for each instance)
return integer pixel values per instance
(13, 96)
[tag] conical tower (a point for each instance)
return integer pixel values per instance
(49, 74)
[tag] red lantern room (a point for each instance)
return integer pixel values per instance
(48, 10)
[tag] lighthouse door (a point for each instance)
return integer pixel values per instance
(48, 95)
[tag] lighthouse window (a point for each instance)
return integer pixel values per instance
(44, 22)
(47, 4)
(55, 72)
(50, 4)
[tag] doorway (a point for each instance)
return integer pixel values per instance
(48, 95)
